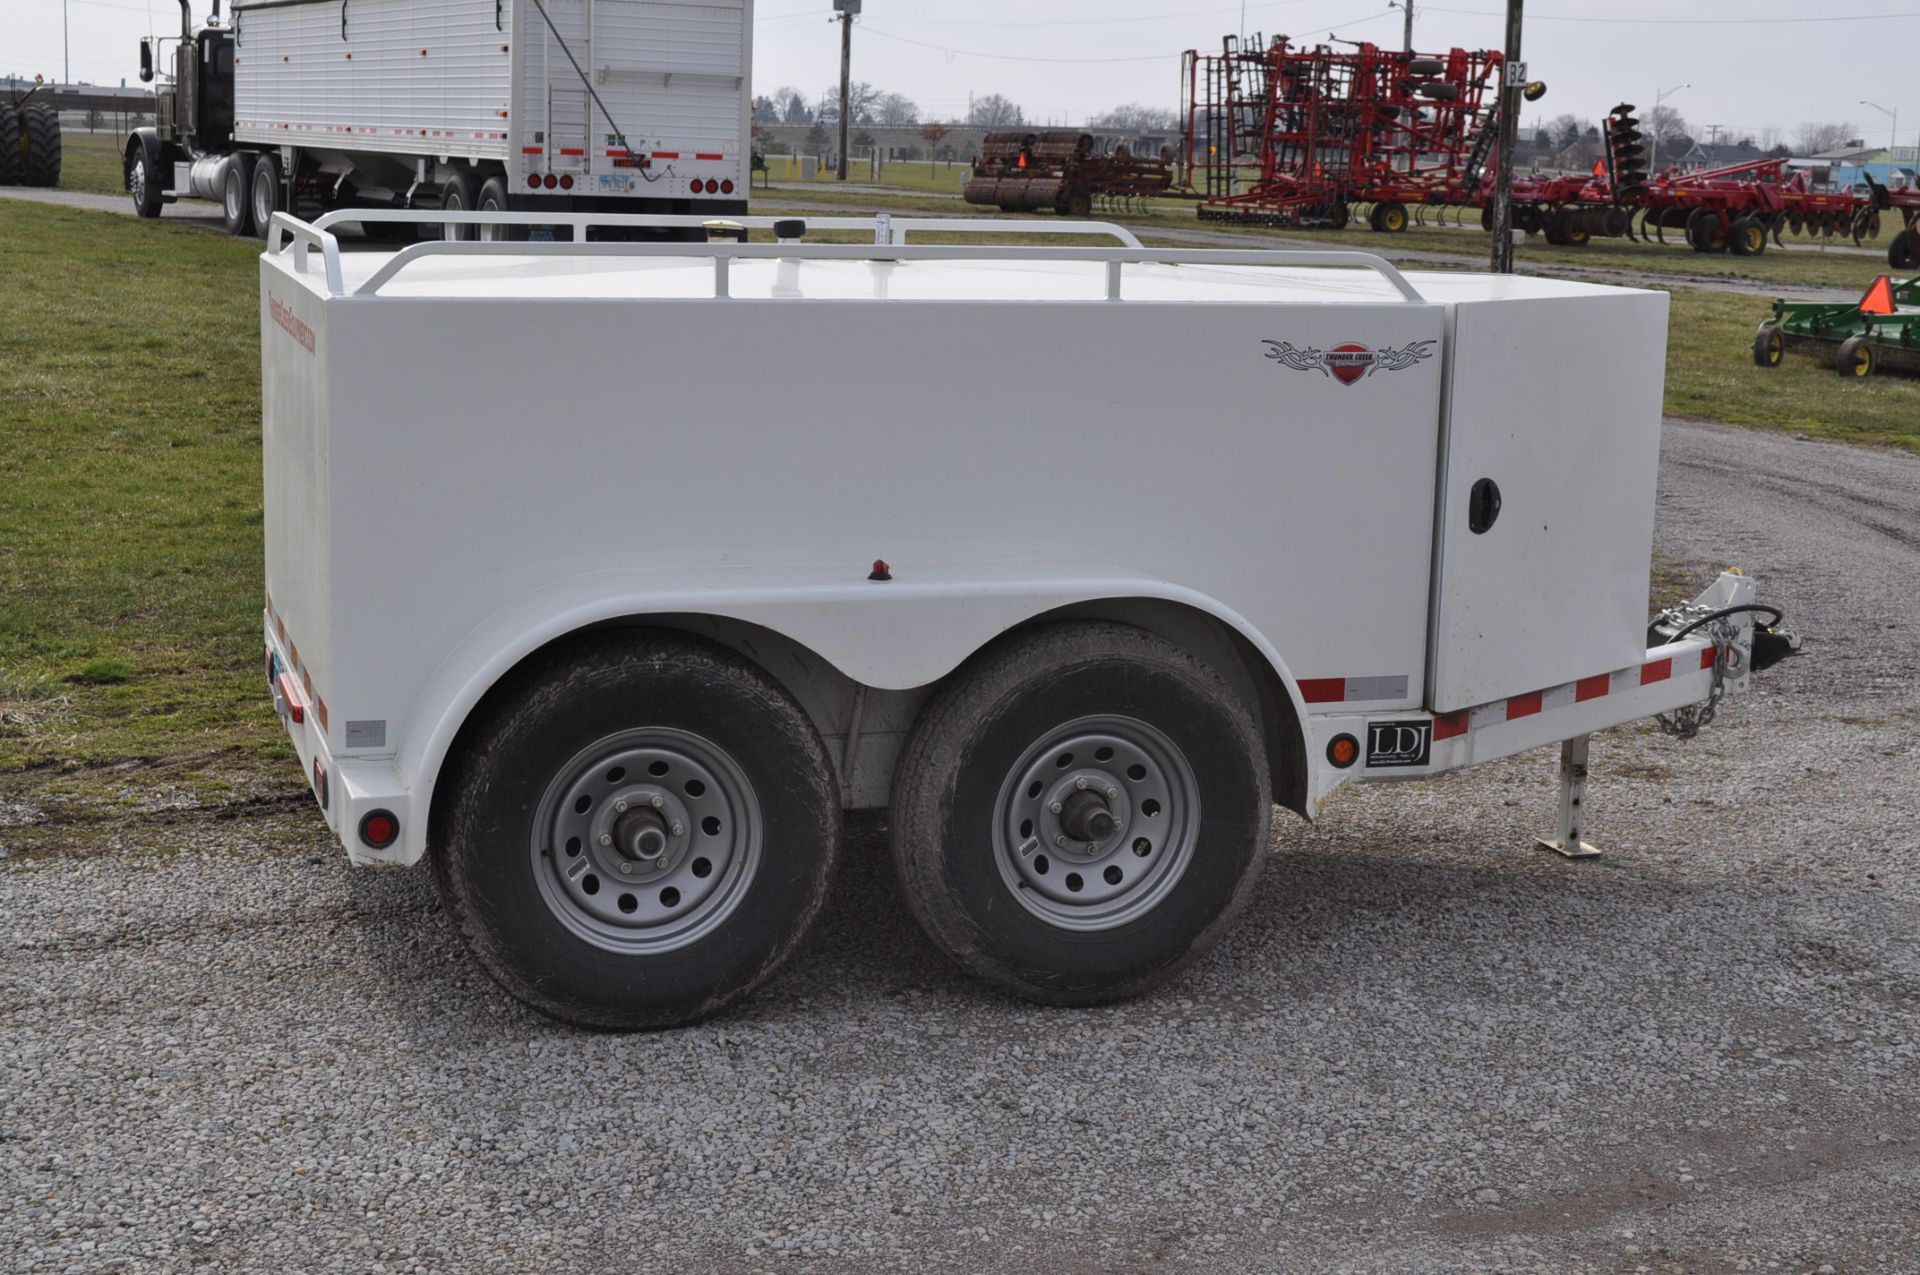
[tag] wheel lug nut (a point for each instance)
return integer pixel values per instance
(1081, 784)
(659, 802)
(1112, 793)
(1060, 840)
(1055, 807)
(620, 806)
(605, 839)
(625, 868)
(679, 830)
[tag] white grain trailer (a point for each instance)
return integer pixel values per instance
(496, 105)
(618, 640)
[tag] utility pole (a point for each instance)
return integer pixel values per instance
(846, 9)
(1408, 6)
(1513, 76)
(66, 48)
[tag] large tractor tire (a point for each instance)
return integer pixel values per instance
(12, 162)
(40, 144)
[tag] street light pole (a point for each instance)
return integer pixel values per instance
(66, 48)
(1893, 138)
(1653, 158)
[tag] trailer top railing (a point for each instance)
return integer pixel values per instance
(299, 242)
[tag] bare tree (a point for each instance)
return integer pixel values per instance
(1769, 138)
(933, 132)
(1666, 125)
(1812, 138)
(861, 100)
(1135, 118)
(766, 111)
(1567, 130)
(791, 104)
(895, 110)
(994, 111)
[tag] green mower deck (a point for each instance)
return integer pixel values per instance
(1880, 332)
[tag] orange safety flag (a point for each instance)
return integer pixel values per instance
(1879, 298)
(1599, 168)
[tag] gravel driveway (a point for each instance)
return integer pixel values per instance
(1427, 1047)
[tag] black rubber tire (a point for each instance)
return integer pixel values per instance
(1080, 204)
(1439, 92)
(1769, 346)
(1426, 66)
(13, 167)
(236, 195)
(975, 728)
(1903, 253)
(40, 144)
(1704, 232)
(1856, 359)
(494, 197)
(1749, 237)
(269, 196)
(460, 194)
(141, 177)
(1393, 217)
(546, 712)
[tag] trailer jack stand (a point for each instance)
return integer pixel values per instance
(1573, 800)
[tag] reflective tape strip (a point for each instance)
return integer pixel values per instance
(1657, 671)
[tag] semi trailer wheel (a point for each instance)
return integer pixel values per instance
(236, 195)
(1856, 358)
(143, 184)
(641, 833)
(12, 161)
(267, 194)
(493, 198)
(460, 194)
(39, 145)
(1080, 812)
(1769, 345)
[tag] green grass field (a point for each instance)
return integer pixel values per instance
(130, 517)
(90, 162)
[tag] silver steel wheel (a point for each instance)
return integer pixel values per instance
(232, 199)
(137, 182)
(492, 234)
(1096, 822)
(647, 840)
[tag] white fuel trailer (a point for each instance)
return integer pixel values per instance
(617, 638)
(631, 106)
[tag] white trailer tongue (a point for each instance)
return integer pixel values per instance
(1076, 557)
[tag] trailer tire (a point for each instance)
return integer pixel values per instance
(143, 181)
(460, 194)
(743, 846)
(1856, 359)
(268, 197)
(40, 144)
(236, 195)
(494, 197)
(1704, 231)
(1749, 237)
(12, 157)
(1157, 736)
(1769, 345)
(1390, 217)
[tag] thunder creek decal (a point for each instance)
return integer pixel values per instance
(1349, 361)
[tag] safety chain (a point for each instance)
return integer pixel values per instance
(1690, 720)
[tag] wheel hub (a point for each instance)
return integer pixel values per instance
(1095, 822)
(646, 840)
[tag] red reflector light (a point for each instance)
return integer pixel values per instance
(566, 181)
(726, 187)
(320, 782)
(533, 181)
(379, 829)
(551, 181)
